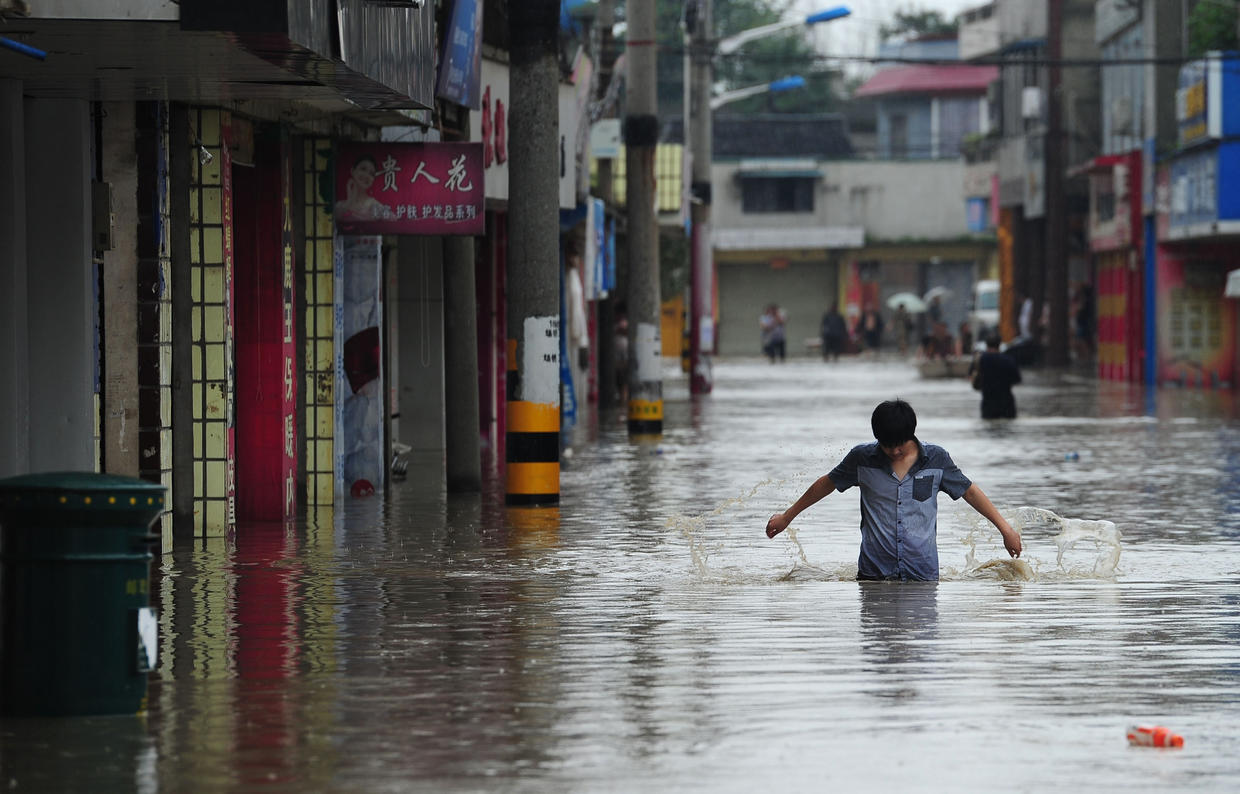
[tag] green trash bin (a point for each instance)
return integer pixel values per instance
(77, 635)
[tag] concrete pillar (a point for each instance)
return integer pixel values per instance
(533, 410)
(1055, 352)
(641, 136)
(464, 456)
(61, 288)
(420, 346)
(1162, 22)
(120, 302)
(700, 137)
(154, 302)
(14, 341)
(179, 180)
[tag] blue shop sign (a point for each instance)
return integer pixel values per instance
(1207, 98)
(977, 215)
(1205, 192)
(460, 71)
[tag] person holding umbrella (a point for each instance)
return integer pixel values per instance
(904, 328)
(905, 304)
(912, 303)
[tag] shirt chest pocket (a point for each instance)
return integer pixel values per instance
(924, 486)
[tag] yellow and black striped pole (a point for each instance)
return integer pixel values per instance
(533, 439)
(533, 418)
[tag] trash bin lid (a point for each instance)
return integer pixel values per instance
(78, 481)
(79, 498)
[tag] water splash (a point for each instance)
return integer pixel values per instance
(1036, 523)
(705, 545)
(692, 529)
(1103, 534)
(1005, 571)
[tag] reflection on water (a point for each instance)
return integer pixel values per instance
(899, 625)
(647, 635)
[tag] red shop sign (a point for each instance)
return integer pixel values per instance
(410, 188)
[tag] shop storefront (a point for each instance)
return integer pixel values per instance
(1115, 246)
(1199, 232)
(488, 125)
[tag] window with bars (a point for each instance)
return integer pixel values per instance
(767, 194)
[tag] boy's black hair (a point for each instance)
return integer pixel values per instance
(893, 423)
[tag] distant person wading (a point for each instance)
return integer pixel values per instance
(994, 375)
(773, 337)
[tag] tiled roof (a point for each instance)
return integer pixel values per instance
(930, 79)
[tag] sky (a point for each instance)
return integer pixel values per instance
(857, 34)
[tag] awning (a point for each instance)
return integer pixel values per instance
(783, 239)
(1232, 290)
(805, 173)
(778, 167)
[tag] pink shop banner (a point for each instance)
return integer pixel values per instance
(410, 188)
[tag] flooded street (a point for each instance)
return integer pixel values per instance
(647, 636)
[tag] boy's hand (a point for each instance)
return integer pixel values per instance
(777, 524)
(1011, 539)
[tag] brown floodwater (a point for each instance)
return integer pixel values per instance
(646, 635)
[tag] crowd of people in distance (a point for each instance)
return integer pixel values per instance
(991, 370)
(866, 334)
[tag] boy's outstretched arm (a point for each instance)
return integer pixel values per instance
(982, 504)
(780, 521)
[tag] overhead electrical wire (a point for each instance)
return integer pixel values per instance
(988, 61)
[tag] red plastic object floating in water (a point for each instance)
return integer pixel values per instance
(363, 488)
(1154, 736)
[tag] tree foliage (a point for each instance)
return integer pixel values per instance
(914, 23)
(1212, 26)
(757, 62)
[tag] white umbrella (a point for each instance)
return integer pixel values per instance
(942, 293)
(912, 303)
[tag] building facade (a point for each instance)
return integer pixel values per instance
(1019, 36)
(185, 291)
(806, 232)
(1198, 225)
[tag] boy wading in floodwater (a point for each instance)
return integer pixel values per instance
(900, 480)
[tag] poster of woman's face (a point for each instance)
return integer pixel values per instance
(358, 203)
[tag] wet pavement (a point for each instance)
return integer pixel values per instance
(647, 636)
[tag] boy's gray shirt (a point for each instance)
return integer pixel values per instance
(899, 518)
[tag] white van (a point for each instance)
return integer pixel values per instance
(984, 316)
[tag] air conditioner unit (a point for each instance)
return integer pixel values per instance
(1031, 102)
(1121, 116)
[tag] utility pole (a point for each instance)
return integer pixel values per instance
(607, 386)
(1056, 293)
(1161, 21)
(641, 136)
(699, 136)
(533, 432)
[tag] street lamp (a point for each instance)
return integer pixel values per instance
(701, 49)
(777, 86)
(733, 43)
